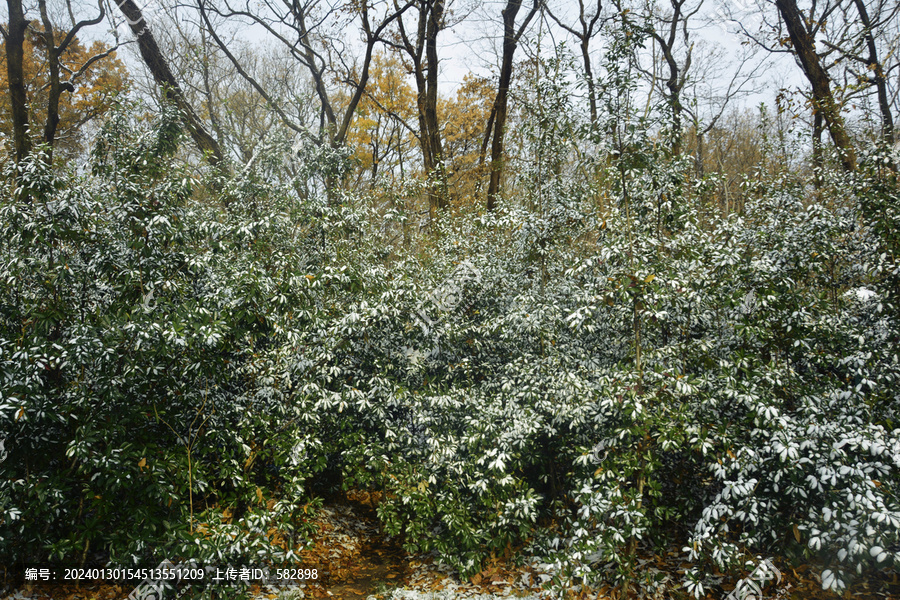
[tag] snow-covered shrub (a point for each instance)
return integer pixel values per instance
(604, 366)
(139, 404)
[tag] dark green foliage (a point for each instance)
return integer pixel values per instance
(132, 352)
(607, 366)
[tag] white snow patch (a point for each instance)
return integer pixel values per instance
(862, 294)
(453, 593)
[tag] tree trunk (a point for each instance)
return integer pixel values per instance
(676, 108)
(589, 76)
(158, 66)
(701, 150)
(211, 102)
(15, 42)
(54, 94)
(55, 89)
(677, 73)
(437, 196)
(818, 163)
(510, 41)
(584, 35)
(823, 99)
(429, 138)
(425, 71)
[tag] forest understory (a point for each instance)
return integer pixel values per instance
(357, 562)
(588, 328)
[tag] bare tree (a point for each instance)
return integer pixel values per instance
(56, 86)
(796, 32)
(231, 109)
(856, 41)
(671, 31)
(301, 29)
(716, 83)
(420, 50)
(823, 99)
(588, 22)
(159, 68)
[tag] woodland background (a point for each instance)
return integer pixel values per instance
(598, 302)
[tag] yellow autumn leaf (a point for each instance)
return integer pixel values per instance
(91, 98)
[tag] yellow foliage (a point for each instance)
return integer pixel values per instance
(381, 132)
(384, 129)
(465, 120)
(94, 91)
